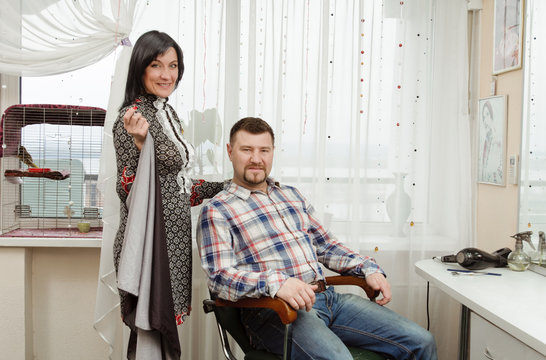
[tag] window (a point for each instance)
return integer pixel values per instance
(59, 128)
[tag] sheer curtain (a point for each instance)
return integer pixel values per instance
(367, 98)
(39, 38)
(533, 151)
(51, 37)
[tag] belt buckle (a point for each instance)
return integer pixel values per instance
(321, 286)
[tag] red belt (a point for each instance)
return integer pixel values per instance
(321, 286)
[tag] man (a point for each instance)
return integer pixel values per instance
(259, 238)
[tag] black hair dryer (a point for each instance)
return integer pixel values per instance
(476, 259)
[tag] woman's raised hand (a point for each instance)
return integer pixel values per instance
(136, 125)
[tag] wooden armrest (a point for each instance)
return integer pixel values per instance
(286, 313)
(353, 280)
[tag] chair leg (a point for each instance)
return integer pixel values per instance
(225, 343)
(287, 353)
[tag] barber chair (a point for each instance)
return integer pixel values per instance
(228, 321)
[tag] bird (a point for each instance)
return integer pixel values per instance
(25, 157)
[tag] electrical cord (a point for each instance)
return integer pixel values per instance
(437, 259)
(428, 314)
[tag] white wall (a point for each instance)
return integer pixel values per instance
(51, 291)
(15, 332)
(64, 282)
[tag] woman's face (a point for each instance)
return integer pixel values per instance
(160, 76)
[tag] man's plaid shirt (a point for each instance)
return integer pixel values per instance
(251, 242)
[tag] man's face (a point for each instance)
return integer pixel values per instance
(252, 159)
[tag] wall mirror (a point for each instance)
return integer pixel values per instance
(532, 197)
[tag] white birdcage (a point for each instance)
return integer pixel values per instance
(49, 164)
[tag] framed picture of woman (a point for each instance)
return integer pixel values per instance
(492, 144)
(508, 34)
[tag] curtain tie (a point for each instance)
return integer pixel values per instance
(126, 42)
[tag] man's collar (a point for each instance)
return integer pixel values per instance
(244, 193)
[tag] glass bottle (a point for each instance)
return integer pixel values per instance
(518, 260)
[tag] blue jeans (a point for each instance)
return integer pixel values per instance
(337, 320)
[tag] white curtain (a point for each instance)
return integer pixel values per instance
(358, 92)
(533, 150)
(49, 37)
(367, 98)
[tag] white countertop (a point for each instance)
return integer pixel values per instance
(50, 242)
(515, 301)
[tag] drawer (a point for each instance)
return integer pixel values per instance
(488, 342)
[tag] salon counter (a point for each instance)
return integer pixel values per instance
(513, 303)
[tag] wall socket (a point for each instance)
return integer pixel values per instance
(493, 86)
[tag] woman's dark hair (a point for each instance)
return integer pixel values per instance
(147, 48)
(252, 125)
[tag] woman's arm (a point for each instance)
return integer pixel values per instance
(202, 190)
(127, 155)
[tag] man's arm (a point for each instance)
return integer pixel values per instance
(338, 257)
(226, 278)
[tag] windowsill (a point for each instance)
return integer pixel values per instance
(50, 242)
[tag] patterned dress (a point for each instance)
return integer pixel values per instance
(174, 157)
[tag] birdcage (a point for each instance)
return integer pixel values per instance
(49, 162)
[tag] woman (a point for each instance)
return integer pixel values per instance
(155, 69)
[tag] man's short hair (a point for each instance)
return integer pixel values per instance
(252, 125)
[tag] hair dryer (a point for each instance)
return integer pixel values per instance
(476, 259)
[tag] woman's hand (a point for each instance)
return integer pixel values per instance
(136, 125)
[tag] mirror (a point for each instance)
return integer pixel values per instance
(532, 199)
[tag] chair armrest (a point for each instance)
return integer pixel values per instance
(353, 280)
(285, 312)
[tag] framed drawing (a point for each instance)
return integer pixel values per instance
(508, 35)
(492, 144)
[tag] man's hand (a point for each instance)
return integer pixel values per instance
(378, 281)
(136, 125)
(297, 294)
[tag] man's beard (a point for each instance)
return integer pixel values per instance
(256, 178)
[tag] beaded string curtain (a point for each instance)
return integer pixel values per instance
(367, 99)
(356, 91)
(350, 112)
